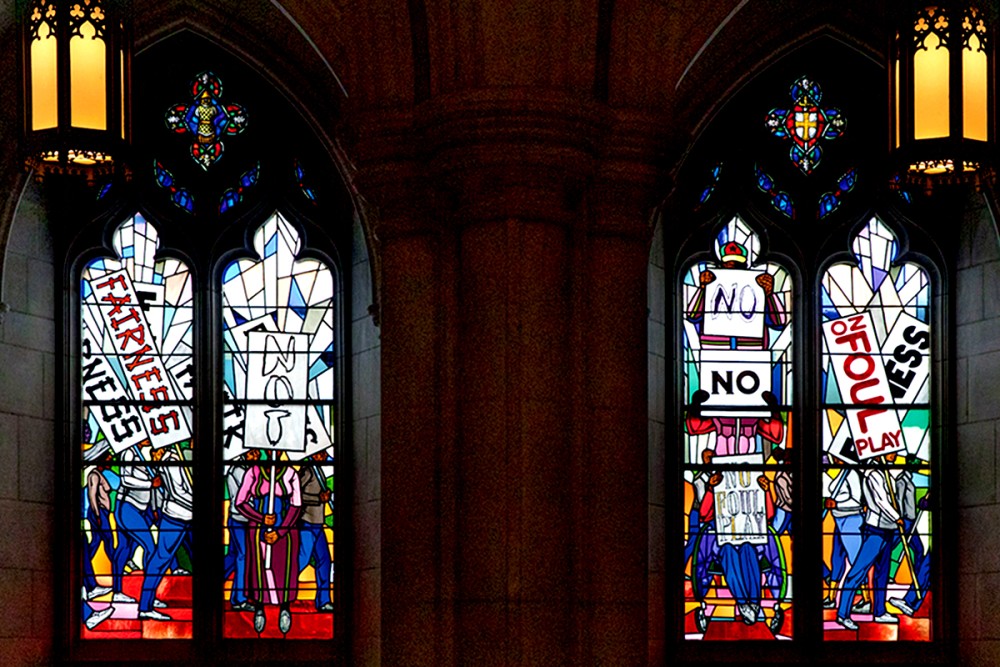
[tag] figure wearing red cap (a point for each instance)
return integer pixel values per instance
(736, 435)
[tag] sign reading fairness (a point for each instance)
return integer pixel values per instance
(860, 373)
(740, 503)
(146, 376)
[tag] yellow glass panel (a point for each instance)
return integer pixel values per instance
(121, 89)
(896, 98)
(930, 91)
(44, 81)
(974, 91)
(88, 80)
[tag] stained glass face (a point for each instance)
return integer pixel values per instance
(737, 379)
(279, 365)
(136, 484)
(875, 390)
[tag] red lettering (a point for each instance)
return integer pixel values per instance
(151, 373)
(133, 314)
(120, 279)
(137, 334)
(854, 338)
(162, 419)
(864, 415)
(861, 444)
(159, 394)
(856, 389)
(117, 301)
(849, 366)
(138, 359)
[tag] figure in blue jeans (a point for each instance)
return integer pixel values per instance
(133, 516)
(312, 533)
(175, 523)
(236, 555)
(882, 523)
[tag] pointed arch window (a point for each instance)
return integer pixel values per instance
(810, 386)
(876, 415)
(205, 386)
(738, 372)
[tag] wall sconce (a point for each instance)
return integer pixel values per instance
(77, 59)
(942, 93)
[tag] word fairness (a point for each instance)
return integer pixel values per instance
(147, 379)
(861, 376)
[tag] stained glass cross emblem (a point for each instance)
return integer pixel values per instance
(805, 123)
(207, 119)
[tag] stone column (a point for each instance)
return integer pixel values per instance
(514, 386)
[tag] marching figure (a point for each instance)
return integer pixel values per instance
(313, 543)
(175, 524)
(736, 435)
(272, 501)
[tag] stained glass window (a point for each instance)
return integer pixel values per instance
(805, 123)
(737, 375)
(207, 119)
(830, 201)
(876, 456)
(279, 369)
(136, 485)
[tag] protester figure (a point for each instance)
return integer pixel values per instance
(98, 496)
(734, 434)
(133, 515)
(235, 563)
(272, 501)
(845, 504)
(175, 523)
(882, 521)
(313, 542)
(910, 603)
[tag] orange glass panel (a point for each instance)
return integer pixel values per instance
(974, 91)
(44, 81)
(930, 90)
(88, 80)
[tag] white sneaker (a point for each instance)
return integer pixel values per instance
(98, 591)
(847, 623)
(121, 597)
(159, 604)
(900, 604)
(259, 620)
(153, 615)
(98, 617)
(886, 618)
(284, 621)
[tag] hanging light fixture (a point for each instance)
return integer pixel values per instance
(77, 59)
(942, 93)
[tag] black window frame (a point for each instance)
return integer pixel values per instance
(83, 224)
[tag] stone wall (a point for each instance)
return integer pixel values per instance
(978, 419)
(366, 409)
(658, 380)
(27, 472)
